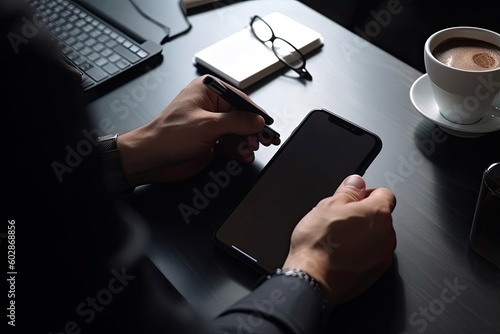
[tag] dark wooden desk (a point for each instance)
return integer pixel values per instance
(437, 284)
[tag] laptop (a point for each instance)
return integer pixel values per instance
(98, 49)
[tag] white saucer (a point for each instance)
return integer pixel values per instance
(423, 101)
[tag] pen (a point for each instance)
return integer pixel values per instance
(234, 99)
(240, 103)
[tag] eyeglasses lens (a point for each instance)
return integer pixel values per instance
(287, 53)
(261, 30)
(283, 50)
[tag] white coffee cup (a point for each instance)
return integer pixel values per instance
(464, 95)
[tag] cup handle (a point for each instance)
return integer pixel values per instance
(496, 105)
(496, 101)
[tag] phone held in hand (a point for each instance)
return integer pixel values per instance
(322, 151)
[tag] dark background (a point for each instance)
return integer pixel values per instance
(404, 31)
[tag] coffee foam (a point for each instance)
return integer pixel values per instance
(468, 54)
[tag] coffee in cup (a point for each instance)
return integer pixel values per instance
(468, 54)
(463, 65)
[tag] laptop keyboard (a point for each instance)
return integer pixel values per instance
(96, 48)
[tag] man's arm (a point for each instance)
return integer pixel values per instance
(281, 304)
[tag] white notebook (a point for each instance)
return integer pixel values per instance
(241, 59)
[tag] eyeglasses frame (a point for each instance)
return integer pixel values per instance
(302, 71)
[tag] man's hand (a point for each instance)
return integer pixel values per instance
(183, 139)
(347, 241)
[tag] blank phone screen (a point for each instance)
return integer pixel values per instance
(310, 165)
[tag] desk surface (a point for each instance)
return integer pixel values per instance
(437, 284)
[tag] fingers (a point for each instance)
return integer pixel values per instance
(239, 123)
(237, 133)
(236, 122)
(382, 195)
(230, 96)
(240, 134)
(230, 119)
(268, 136)
(352, 189)
(237, 147)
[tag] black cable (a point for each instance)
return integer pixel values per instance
(161, 25)
(184, 12)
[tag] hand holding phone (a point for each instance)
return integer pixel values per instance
(347, 241)
(322, 151)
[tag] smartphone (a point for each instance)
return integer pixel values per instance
(309, 166)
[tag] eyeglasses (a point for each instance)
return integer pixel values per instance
(286, 52)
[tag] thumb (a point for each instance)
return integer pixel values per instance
(352, 189)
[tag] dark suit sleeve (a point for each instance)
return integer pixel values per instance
(279, 305)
